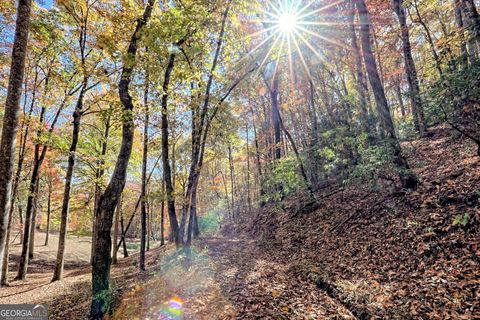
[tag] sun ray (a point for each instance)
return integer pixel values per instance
(259, 45)
(270, 14)
(302, 58)
(320, 9)
(256, 34)
(300, 11)
(278, 58)
(290, 58)
(319, 36)
(310, 46)
(268, 54)
(278, 9)
(312, 23)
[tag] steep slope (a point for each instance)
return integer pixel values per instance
(391, 254)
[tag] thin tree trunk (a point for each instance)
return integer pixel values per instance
(225, 188)
(398, 92)
(49, 212)
(360, 77)
(77, 118)
(77, 115)
(257, 158)
(22, 269)
(144, 180)
(162, 216)
(10, 117)
(108, 201)
(30, 214)
(149, 226)
(196, 227)
(33, 228)
(137, 205)
(436, 58)
(410, 70)
(275, 118)
(249, 199)
(232, 178)
(199, 135)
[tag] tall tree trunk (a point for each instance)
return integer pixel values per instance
(162, 216)
(472, 19)
(274, 94)
(144, 180)
(108, 201)
(10, 117)
(408, 179)
(458, 4)
(398, 92)
(16, 182)
(22, 269)
(360, 77)
(201, 128)
(77, 116)
(247, 145)
(100, 171)
(232, 178)
(410, 69)
(261, 191)
(149, 226)
(30, 214)
(167, 172)
(49, 212)
(33, 228)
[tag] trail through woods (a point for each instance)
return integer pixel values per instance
(226, 277)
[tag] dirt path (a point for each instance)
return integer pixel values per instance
(226, 278)
(220, 277)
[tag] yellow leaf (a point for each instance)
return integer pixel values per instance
(275, 293)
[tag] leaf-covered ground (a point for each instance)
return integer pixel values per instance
(393, 255)
(227, 277)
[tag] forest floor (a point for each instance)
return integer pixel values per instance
(387, 254)
(364, 254)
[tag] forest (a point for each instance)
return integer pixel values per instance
(240, 159)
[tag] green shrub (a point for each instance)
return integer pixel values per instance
(283, 179)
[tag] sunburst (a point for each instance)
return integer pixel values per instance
(289, 28)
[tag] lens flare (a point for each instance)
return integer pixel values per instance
(172, 310)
